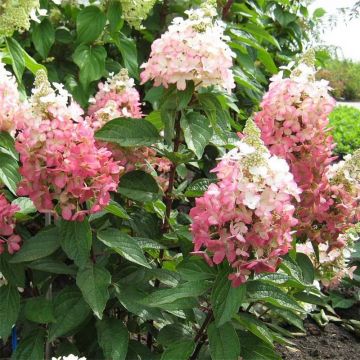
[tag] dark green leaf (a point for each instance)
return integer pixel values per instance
(9, 173)
(195, 268)
(117, 210)
(51, 266)
(179, 350)
(43, 37)
(39, 310)
(94, 280)
(13, 273)
(140, 186)
(198, 187)
(306, 266)
(90, 23)
(124, 245)
(197, 132)
(224, 342)
(128, 132)
(114, 13)
(9, 309)
(284, 17)
(70, 310)
(17, 58)
(31, 347)
(170, 334)
(113, 338)
(39, 246)
(76, 240)
(127, 48)
(288, 316)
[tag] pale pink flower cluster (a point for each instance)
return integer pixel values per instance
(118, 98)
(247, 216)
(7, 226)
(294, 125)
(332, 265)
(13, 112)
(192, 49)
(62, 167)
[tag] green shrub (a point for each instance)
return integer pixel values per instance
(345, 121)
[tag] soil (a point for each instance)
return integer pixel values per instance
(333, 342)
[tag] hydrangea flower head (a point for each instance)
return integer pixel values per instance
(62, 168)
(192, 49)
(136, 11)
(246, 218)
(7, 226)
(15, 15)
(294, 125)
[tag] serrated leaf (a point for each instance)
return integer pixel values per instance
(224, 342)
(197, 132)
(139, 186)
(39, 246)
(76, 240)
(93, 281)
(90, 23)
(9, 172)
(113, 338)
(9, 309)
(70, 310)
(124, 245)
(128, 132)
(198, 187)
(39, 310)
(225, 299)
(179, 350)
(31, 347)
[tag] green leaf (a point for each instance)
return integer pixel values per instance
(124, 245)
(224, 342)
(179, 350)
(258, 291)
(140, 186)
(170, 334)
(174, 99)
(39, 310)
(252, 348)
(91, 62)
(114, 15)
(9, 309)
(94, 281)
(70, 311)
(31, 64)
(13, 273)
(43, 244)
(256, 30)
(197, 132)
(306, 267)
(31, 347)
(309, 298)
(198, 187)
(128, 132)
(7, 144)
(225, 299)
(51, 266)
(26, 207)
(90, 23)
(43, 37)
(9, 173)
(117, 210)
(255, 326)
(127, 48)
(168, 296)
(76, 240)
(267, 60)
(17, 59)
(288, 316)
(113, 338)
(195, 268)
(284, 17)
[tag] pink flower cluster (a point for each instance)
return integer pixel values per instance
(117, 97)
(12, 110)
(62, 167)
(246, 218)
(192, 49)
(294, 125)
(7, 225)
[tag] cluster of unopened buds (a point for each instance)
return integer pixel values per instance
(192, 49)
(294, 125)
(8, 237)
(247, 216)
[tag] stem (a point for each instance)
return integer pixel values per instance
(226, 8)
(200, 336)
(48, 295)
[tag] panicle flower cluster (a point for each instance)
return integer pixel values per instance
(294, 125)
(13, 112)
(192, 49)
(246, 218)
(333, 264)
(62, 167)
(7, 226)
(117, 97)
(136, 11)
(15, 15)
